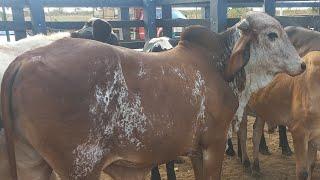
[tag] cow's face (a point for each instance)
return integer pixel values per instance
(97, 29)
(270, 49)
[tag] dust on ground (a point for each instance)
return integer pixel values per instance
(273, 167)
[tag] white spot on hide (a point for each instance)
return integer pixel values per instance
(114, 108)
(142, 71)
(199, 93)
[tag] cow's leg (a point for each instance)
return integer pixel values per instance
(212, 160)
(263, 148)
(230, 150)
(171, 175)
(229, 145)
(242, 133)
(312, 155)
(197, 165)
(155, 174)
(30, 165)
(257, 133)
(284, 141)
(300, 142)
(239, 147)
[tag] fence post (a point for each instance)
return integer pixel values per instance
(167, 14)
(218, 15)
(270, 7)
(125, 30)
(18, 20)
(206, 12)
(37, 17)
(149, 18)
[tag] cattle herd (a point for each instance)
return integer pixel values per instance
(79, 105)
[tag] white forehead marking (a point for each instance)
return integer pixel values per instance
(113, 108)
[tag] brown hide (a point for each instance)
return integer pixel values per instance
(294, 102)
(30, 165)
(56, 106)
(304, 40)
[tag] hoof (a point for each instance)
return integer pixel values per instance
(287, 151)
(256, 174)
(247, 166)
(230, 152)
(256, 169)
(265, 151)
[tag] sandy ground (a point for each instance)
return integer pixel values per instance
(273, 167)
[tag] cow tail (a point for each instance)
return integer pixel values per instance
(7, 114)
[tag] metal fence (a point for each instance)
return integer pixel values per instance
(215, 15)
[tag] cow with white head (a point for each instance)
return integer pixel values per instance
(270, 51)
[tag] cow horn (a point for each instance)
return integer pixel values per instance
(244, 25)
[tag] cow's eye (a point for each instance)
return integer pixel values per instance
(272, 36)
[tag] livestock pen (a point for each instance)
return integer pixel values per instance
(214, 16)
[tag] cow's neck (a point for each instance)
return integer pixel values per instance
(247, 81)
(228, 39)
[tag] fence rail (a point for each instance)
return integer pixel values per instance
(215, 15)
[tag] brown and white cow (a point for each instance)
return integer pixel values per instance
(86, 107)
(304, 41)
(30, 166)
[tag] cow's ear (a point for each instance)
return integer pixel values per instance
(101, 30)
(240, 53)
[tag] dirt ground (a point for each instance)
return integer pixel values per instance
(273, 167)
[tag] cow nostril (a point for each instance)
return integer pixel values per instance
(303, 66)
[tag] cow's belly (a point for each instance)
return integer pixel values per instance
(158, 144)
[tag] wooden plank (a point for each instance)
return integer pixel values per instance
(298, 4)
(132, 44)
(37, 17)
(218, 15)
(125, 30)
(269, 7)
(11, 3)
(92, 3)
(304, 21)
(167, 14)
(175, 2)
(182, 22)
(149, 18)
(78, 25)
(18, 21)
(138, 3)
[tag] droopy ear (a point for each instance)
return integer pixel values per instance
(238, 57)
(101, 30)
